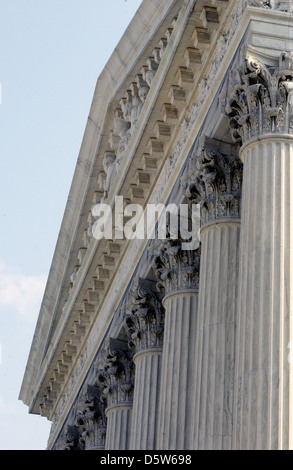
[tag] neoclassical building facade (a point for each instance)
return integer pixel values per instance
(143, 343)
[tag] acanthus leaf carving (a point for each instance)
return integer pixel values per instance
(174, 267)
(116, 377)
(213, 180)
(92, 419)
(89, 422)
(144, 316)
(259, 98)
(69, 439)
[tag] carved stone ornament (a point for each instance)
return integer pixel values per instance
(129, 109)
(91, 419)
(285, 5)
(175, 268)
(116, 378)
(213, 179)
(144, 317)
(259, 98)
(69, 439)
(282, 5)
(258, 3)
(88, 430)
(110, 170)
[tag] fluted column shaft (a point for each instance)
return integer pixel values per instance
(144, 324)
(116, 380)
(118, 426)
(214, 179)
(258, 103)
(215, 336)
(148, 365)
(178, 365)
(177, 271)
(264, 376)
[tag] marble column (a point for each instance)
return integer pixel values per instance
(259, 107)
(116, 379)
(144, 322)
(178, 273)
(215, 177)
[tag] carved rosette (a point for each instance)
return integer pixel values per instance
(260, 99)
(214, 181)
(144, 317)
(175, 268)
(116, 378)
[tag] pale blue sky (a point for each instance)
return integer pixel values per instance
(51, 54)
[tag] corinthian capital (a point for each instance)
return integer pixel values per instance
(213, 179)
(144, 317)
(174, 267)
(116, 378)
(90, 418)
(259, 97)
(69, 439)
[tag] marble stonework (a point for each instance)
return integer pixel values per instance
(143, 344)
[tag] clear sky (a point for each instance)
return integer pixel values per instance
(51, 54)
